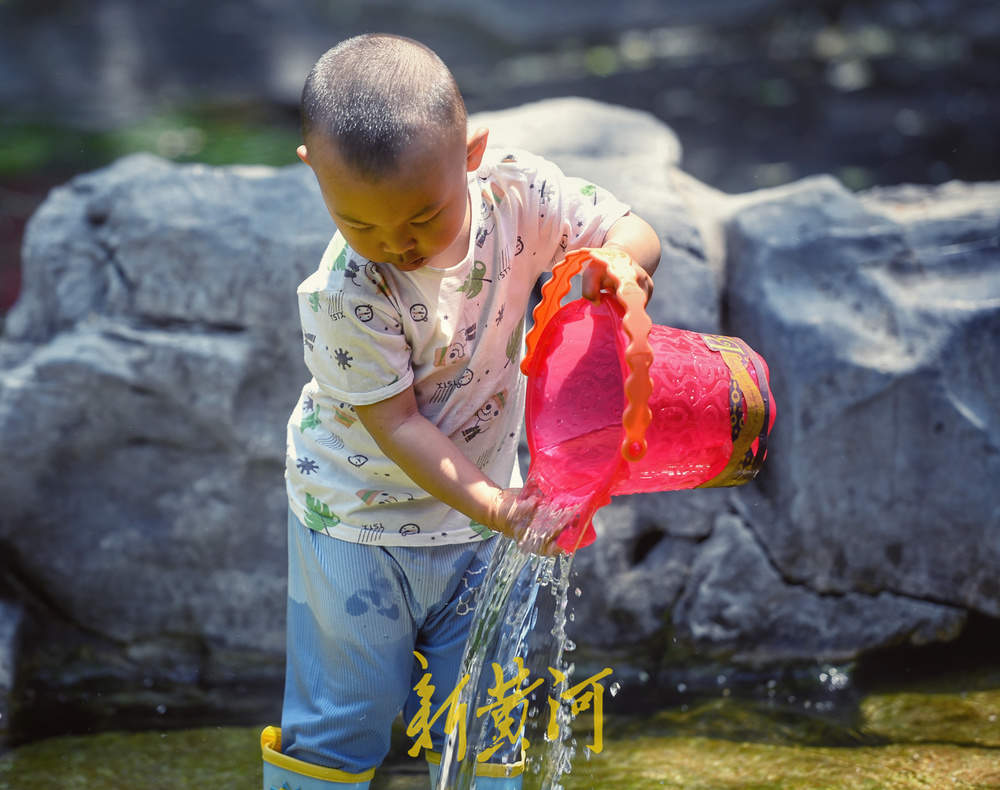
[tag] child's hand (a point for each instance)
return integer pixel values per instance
(513, 513)
(595, 279)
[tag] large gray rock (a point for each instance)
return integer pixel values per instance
(147, 372)
(880, 318)
(735, 602)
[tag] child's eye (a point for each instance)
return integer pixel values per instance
(426, 220)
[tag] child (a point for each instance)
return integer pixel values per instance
(402, 448)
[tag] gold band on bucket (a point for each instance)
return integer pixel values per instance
(743, 463)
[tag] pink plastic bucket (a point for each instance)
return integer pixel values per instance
(617, 405)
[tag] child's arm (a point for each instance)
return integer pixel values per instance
(435, 464)
(634, 235)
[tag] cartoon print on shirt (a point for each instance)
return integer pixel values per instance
(484, 415)
(474, 281)
(339, 263)
(487, 222)
(446, 388)
(309, 340)
(481, 530)
(371, 533)
(319, 516)
(504, 264)
(364, 313)
(499, 318)
(520, 247)
(513, 349)
(358, 460)
(448, 354)
(544, 198)
(343, 358)
(375, 278)
(497, 193)
(409, 529)
(306, 465)
(589, 190)
(328, 439)
(375, 496)
(336, 307)
(310, 420)
(418, 312)
(344, 414)
(351, 273)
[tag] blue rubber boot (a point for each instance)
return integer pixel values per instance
(489, 776)
(282, 772)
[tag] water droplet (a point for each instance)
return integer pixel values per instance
(614, 688)
(681, 688)
(161, 708)
(720, 680)
(577, 592)
(643, 676)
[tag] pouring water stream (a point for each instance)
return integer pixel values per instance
(519, 626)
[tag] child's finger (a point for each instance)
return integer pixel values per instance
(591, 282)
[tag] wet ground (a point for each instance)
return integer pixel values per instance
(898, 740)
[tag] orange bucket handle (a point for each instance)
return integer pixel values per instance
(617, 265)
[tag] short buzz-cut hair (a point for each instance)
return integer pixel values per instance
(374, 94)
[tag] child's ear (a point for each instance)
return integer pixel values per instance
(475, 148)
(303, 154)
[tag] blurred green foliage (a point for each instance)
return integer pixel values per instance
(218, 136)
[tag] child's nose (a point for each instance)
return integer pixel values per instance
(398, 243)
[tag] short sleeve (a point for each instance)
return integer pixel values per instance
(353, 337)
(565, 212)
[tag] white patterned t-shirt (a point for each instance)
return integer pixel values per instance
(456, 335)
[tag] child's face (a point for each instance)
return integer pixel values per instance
(419, 216)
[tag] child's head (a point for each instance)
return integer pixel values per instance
(384, 126)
